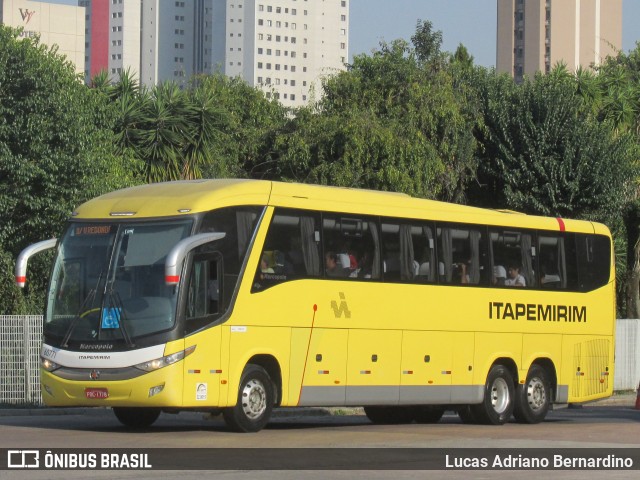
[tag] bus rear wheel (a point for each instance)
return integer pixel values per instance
(256, 397)
(389, 415)
(498, 403)
(534, 397)
(136, 417)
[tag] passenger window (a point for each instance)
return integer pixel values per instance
(291, 249)
(351, 247)
(460, 256)
(552, 261)
(408, 253)
(594, 261)
(512, 259)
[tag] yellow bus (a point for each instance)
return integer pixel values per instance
(238, 296)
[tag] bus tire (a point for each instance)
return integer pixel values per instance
(256, 397)
(499, 394)
(389, 415)
(136, 417)
(428, 413)
(534, 397)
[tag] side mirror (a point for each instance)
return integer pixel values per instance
(26, 254)
(176, 255)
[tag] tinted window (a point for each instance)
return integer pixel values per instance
(408, 252)
(291, 249)
(512, 258)
(460, 255)
(351, 247)
(594, 261)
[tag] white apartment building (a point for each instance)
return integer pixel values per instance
(283, 46)
(112, 29)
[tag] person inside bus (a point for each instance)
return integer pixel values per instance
(264, 265)
(514, 278)
(332, 267)
(499, 275)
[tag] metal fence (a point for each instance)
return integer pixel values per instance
(20, 341)
(21, 338)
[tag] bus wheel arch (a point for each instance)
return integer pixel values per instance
(256, 398)
(498, 399)
(534, 396)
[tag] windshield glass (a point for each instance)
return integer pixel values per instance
(108, 282)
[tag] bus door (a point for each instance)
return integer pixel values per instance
(204, 304)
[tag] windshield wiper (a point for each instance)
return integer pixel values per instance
(89, 299)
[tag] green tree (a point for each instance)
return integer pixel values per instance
(56, 144)
(545, 153)
(390, 122)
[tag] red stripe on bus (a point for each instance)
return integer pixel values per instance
(172, 279)
(561, 223)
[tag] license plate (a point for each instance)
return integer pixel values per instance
(96, 393)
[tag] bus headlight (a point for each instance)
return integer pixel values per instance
(158, 363)
(48, 365)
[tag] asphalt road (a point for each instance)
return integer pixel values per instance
(601, 426)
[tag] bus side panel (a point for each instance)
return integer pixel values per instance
(324, 368)
(426, 359)
(373, 367)
(462, 368)
(490, 346)
(540, 346)
(587, 372)
(247, 341)
(203, 369)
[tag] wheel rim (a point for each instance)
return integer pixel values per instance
(254, 399)
(536, 394)
(500, 395)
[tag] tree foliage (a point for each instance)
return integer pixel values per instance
(56, 144)
(390, 122)
(544, 152)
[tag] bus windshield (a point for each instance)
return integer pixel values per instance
(108, 282)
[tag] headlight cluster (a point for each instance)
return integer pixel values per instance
(48, 365)
(158, 363)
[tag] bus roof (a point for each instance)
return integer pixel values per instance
(194, 196)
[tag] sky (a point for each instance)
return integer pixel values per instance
(470, 22)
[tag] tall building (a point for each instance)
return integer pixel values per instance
(283, 46)
(61, 25)
(535, 35)
(113, 36)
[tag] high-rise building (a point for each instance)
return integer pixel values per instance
(282, 46)
(113, 36)
(535, 35)
(61, 25)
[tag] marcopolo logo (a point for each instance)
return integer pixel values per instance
(23, 459)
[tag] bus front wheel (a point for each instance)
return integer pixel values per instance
(533, 398)
(256, 397)
(136, 417)
(499, 393)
